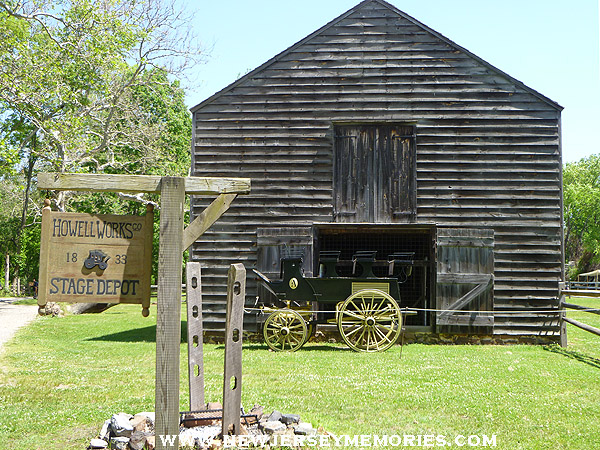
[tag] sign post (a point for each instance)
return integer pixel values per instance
(174, 240)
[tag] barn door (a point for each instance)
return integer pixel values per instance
(465, 280)
(374, 174)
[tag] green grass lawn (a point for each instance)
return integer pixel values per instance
(60, 378)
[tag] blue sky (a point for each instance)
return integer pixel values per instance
(550, 45)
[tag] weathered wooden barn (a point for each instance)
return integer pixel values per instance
(378, 133)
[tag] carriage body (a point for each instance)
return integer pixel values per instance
(365, 307)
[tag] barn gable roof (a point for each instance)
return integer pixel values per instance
(400, 14)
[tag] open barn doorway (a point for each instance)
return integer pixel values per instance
(417, 284)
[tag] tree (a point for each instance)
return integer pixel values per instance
(88, 86)
(581, 190)
(71, 72)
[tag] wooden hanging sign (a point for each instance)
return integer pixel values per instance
(101, 258)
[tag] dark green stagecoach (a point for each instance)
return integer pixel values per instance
(365, 307)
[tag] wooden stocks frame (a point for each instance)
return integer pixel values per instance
(174, 240)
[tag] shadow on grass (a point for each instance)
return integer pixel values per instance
(594, 362)
(307, 348)
(145, 334)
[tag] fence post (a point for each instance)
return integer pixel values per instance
(232, 378)
(195, 335)
(563, 325)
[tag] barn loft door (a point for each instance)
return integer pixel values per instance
(465, 280)
(374, 174)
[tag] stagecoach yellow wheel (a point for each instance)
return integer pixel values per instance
(369, 321)
(285, 330)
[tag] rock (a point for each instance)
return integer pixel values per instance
(137, 440)
(148, 415)
(214, 405)
(51, 309)
(120, 425)
(275, 416)
(274, 427)
(119, 443)
(143, 422)
(105, 431)
(305, 429)
(200, 435)
(150, 442)
(289, 419)
(98, 443)
(257, 411)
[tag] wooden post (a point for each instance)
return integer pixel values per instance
(232, 379)
(194, 336)
(168, 321)
(562, 323)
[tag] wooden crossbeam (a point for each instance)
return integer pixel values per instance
(469, 296)
(138, 183)
(205, 220)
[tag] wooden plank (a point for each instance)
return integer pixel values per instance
(465, 278)
(205, 220)
(195, 335)
(168, 321)
(232, 379)
(473, 319)
(139, 183)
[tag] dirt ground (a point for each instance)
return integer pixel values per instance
(13, 317)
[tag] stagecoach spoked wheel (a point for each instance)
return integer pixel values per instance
(285, 330)
(369, 321)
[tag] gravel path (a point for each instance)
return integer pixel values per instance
(13, 317)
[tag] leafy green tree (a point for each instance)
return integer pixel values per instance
(88, 86)
(581, 186)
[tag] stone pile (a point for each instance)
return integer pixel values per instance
(126, 432)
(198, 429)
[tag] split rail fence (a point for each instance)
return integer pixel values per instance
(579, 293)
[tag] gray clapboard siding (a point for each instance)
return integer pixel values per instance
(487, 151)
